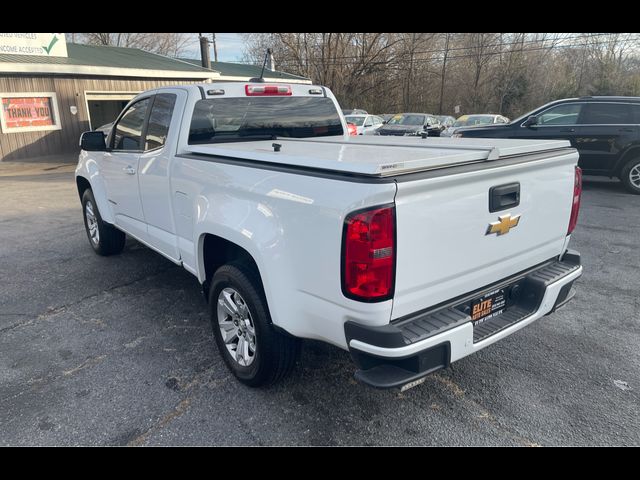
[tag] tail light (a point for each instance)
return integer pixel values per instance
(267, 90)
(368, 254)
(575, 206)
(353, 130)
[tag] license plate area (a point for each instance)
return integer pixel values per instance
(488, 306)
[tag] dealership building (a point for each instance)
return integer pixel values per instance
(52, 91)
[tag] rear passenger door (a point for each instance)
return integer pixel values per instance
(606, 130)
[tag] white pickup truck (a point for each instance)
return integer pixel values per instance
(410, 253)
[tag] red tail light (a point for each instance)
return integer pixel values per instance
(369, 257)
(575, 206)
(353, 130)
(267, 90)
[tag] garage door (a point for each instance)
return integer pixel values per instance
(104, 107)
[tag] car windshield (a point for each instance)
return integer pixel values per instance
(236, 119)
(358, 121)
(470, 120)
(407, 120)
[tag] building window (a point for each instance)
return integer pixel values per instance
(29, 112)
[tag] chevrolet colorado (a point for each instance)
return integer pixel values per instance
(410, 253)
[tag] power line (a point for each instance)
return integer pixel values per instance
(483, 54)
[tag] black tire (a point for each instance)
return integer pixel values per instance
(275, 353)
(110, 240)
(631, 169)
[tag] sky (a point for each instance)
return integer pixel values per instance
(230, 47)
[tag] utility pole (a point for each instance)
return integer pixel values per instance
(270, 62)
(204, 51)
(215, 48)
(444, 71)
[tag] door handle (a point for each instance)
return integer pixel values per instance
(626, 130)
(568, 130)
(502, 197)
(129, 170)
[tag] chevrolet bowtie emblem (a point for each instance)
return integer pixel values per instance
(505, 223)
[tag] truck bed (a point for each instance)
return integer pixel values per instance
(378, 156)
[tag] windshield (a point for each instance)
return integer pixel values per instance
(407, 120)
(358, 121)
(234, 119)
(470, 120)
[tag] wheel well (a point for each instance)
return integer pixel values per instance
(626, 156)
(83, 184)
(217, 251)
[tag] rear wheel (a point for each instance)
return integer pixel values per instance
(105, 239)
(630, 176)
(251, 347)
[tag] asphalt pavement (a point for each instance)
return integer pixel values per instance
(119, 350)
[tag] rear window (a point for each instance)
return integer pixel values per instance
(357, 121)
(470, 120)
(236, 119)
(608, 114)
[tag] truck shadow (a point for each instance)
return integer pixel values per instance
(603, 184)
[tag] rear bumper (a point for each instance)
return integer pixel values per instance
(412, 347)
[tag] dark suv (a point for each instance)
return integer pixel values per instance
(605, 130)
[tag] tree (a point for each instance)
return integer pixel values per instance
(507, 73)
(169, 44)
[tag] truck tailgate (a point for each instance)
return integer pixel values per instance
(443, 248)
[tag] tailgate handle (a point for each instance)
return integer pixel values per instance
(502, 197)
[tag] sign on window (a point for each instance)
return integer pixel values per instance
(24, 112)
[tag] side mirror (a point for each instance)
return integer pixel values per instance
(531, 121)
(384, 122)
(93, 142)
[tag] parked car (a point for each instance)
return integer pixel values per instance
(474, 121)
(411, 124)
(446, 121)
(365, 124)
(354, 111)
(379, 246)
(605, 130)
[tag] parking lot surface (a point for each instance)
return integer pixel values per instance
(119, 350)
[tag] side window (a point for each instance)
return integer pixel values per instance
(377, 120)
(607, 114)
(128, 131)
(368, 122)
(561, 115)
(159, 120)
